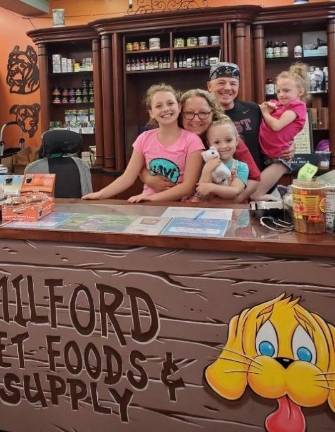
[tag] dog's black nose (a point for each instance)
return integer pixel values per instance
(285, 362)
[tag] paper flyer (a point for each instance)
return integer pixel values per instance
(196, 227)
(149, 225)
(11, 184)
(197, 213)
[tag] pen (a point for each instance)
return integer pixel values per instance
(200, 214)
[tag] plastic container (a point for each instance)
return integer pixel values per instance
(58, 17)
(213, 61)
(154, 43)
(179, 43)
(203, 40)
(191, 41)
(308, 199)
(215, 40)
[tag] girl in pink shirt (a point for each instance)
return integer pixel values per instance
(282, 120)
(168, 151)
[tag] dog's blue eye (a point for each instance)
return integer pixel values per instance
(304, 354)
(266, 348)
(266, 340)
(303, 347)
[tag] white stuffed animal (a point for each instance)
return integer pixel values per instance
(222, 173)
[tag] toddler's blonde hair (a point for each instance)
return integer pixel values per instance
(224, 120)
(298, 72)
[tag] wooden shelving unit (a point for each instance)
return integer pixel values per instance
(118, 93)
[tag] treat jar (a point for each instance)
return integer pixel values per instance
(309, 206)
(58, 17)
(154, 43)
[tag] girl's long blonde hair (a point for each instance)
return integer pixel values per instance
(152, 90)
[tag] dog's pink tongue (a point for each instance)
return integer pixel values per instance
(287, 418)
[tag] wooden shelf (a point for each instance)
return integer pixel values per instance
(193, 69)
(73, 104)
(54, 74)
(197, 47)
(148, 51)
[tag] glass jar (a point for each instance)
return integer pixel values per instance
(276, 50)
(308, 198)
(283, 49)
(297, 53)
(269, 50)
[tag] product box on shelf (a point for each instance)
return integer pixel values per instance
(321, 51)
(314, 44)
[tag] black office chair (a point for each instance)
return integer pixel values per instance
(57, 147)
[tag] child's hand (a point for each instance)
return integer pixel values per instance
(288, 153)
(92, 196)
(138, 198)
(232, 177)
(211, 164)
(158, 183)
(204, 189)
(267, 107)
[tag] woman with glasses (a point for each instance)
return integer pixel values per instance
(198, 110)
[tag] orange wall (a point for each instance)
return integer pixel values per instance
(13, 30)
(77, 12)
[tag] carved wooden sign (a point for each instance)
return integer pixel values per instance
(99, 338)
(149, 6)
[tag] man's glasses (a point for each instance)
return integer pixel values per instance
(202, 115)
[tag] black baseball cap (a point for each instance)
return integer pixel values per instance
(224, 69)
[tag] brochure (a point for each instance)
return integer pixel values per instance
(198, 213)
(149, 225)
(96, 222)
(181, 226)
(48, 222)
(11, 184)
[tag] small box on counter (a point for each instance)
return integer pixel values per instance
(35, 201)
(11, 184)
(39, 183)
(28, 207)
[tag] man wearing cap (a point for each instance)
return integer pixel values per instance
(224, 81)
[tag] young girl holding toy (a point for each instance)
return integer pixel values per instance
(168, 151)
(282, 120)
(222, 138)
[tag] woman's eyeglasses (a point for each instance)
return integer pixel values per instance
(202, 115)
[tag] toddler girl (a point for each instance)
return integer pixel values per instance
(222, 135)
(282, 120)
(168, 151)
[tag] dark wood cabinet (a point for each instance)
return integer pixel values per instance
(121, 74)
(66, 87)
(292, 24)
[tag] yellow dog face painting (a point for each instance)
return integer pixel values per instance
(281, 351)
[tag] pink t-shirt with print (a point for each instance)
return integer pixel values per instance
(167, 161)
(274, 142)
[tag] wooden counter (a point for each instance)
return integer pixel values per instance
(252, 238)
(116, 332)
